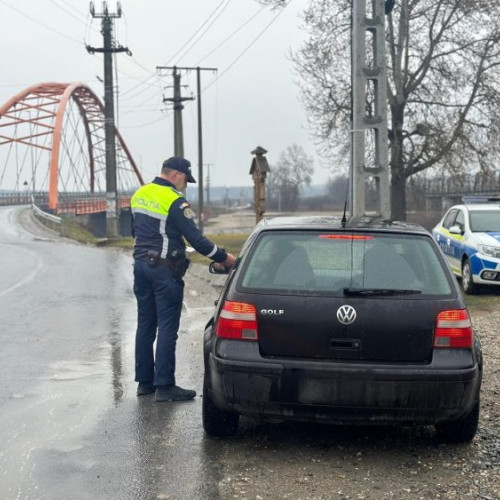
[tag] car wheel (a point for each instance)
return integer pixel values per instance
(460, 431)
(468, 284)
(218, 423)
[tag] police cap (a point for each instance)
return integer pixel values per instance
(180, 164)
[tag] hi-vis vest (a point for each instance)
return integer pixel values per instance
(154, 201)
(162, 219)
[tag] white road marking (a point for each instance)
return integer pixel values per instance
(30, 276)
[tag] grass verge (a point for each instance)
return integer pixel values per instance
(75, 231)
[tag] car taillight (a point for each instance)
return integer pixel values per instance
(237, 320)
(453, 329)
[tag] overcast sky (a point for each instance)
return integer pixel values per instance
(252, 100)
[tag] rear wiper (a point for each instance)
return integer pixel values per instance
(379, 291)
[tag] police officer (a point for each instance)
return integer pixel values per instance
(162, 218)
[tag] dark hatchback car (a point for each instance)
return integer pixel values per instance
(357, 324)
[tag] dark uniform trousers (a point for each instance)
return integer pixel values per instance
(159, 304)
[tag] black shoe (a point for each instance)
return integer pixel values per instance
(145, 388)
(173, 393)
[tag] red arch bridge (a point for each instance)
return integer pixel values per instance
(53, 151)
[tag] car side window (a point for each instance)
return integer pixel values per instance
(460, 220)
(485, 221)
(450, 219)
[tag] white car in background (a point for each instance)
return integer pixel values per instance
(469, 236)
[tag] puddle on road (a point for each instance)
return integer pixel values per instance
(66, 371)
(37, 238)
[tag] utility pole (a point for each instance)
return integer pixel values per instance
(369, 106)
(177, 100)
(208, 165)
(110, 47)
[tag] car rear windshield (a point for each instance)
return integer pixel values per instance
(310, 262)
(485, 221)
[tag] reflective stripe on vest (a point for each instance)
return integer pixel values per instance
(155, 201)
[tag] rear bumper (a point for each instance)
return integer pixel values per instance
(343, 393)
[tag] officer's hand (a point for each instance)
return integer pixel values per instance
(228, 263)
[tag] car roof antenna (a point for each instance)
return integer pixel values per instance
(344, 219)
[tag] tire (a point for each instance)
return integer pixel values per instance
(468, 285)
(460, 431)
(217, 423)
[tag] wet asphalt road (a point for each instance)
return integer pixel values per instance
(70, 423)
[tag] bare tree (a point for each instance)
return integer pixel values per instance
(293, 170)
(443, 85)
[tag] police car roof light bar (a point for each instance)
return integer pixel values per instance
(478, 198)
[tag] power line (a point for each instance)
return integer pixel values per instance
(70, 38)
(135, 106)
(39, 23)
(201, 34)
(207, 55)
(207, 20)
(148, 109)
(143, 82)
(137, 63)
(199, 29)
(247, 48)
(149, 123)
(74, 8)
(232, 63)
(231, 35)
(69, 13)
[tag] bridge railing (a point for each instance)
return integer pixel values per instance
(90, 205)
(75, 203)
(25, 198)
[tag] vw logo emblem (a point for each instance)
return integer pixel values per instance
(346, 315)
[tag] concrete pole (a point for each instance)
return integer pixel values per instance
(109, 132)
(200, 153)
(178, 107)
(109, 113)
(369, 84)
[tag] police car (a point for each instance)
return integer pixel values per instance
(469, 236)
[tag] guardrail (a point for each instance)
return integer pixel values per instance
(49, 220)
(44, 215)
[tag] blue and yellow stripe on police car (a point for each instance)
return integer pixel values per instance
(457, 237)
